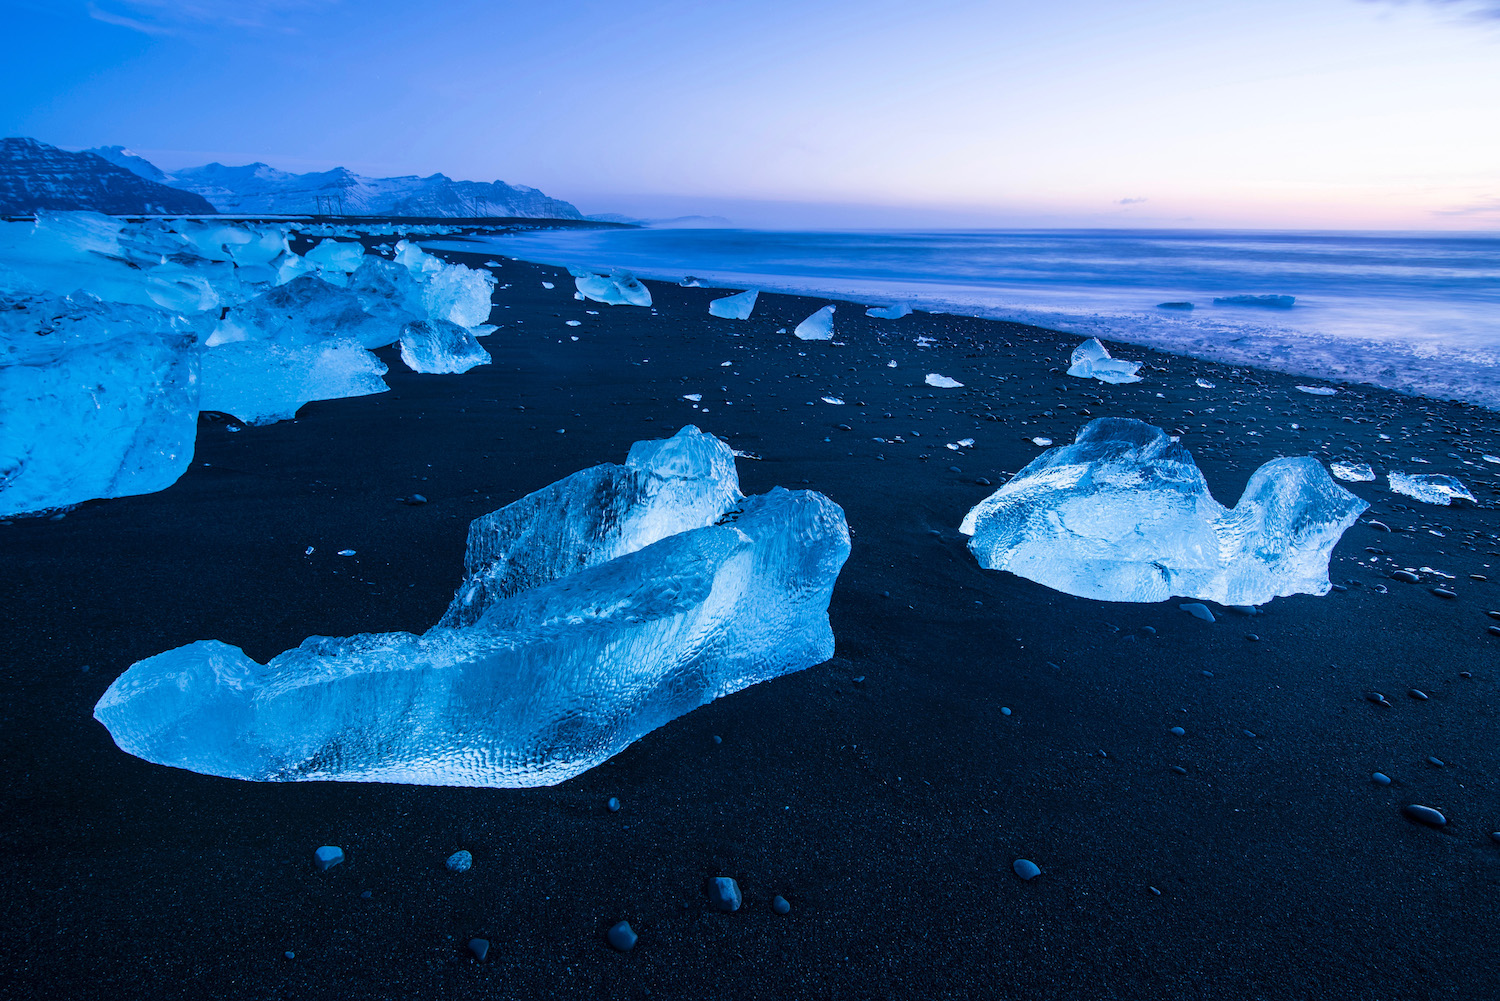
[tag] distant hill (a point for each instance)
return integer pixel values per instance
(34, 175)
(258, 189)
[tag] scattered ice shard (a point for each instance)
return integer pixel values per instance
(1270, 301)
(439, 346)
(818, 327)
(1091, 360)
(608, 609)
(942, 381)
(734, 307)
(97, 400)
(1430, 488)
(1354, 472)
(892, 312)
(618, 288)
(1123, 514)
(1318, 390)
(1205, 384)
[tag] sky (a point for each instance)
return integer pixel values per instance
(1323, 114)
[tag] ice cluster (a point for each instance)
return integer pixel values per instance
(1091, 360)
(1123, 514)
(116, 334)
(592, 612)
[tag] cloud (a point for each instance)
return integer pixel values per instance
(1131, 201)
(1477, 10)
(1490, 206)
(174, 17)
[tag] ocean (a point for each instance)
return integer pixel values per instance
(1414, 312)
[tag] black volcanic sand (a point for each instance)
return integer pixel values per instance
(884, 793)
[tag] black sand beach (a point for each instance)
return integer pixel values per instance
(883, 794)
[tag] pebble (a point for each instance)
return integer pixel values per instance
(1005, 710)
(983, 481)
(1198, 610)
(1435, 762)
(416, 499)
(1443, 592)
(289, 954)
(1245, 609)
(365, 894)
(1405, 575)
(724, 894)
(1178, 731)
(1376, 698)
(1379, 526)
(954, 469)
(780, 906)
(1381, 779)
(1424, 815)
(460, 861)
(1493, 615)
(1252, 637)
(1495, 836)
(479, 947)
(1493, 630)
(1179, 769)
(1465, 674)
(1418, 694)
(718, 739)
(1149, 630)
(327, 857)
(1026, 869)
(622, 937)
(1249, 733)
(613, 805)
(1208, 674)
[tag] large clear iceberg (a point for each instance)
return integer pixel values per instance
(97, 399)
(598, 610)
(734, 307)
(262, 382)
(1091, 360)
(1123, 514)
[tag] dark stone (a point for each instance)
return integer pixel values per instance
(724, 894)
(480, 947)
(622, 937)
(1026, 869)
(1424, 815)
(780, 906)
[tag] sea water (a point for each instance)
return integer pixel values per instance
(1415, 312)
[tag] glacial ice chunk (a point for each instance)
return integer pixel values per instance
(1430, 488)
(1353, 472)
(458, 294)
(942, 381)
(734, 307)
(262, 382)
(1123, 514)
(439, 346)
(818, 327)
(333, 255)
(96, 400)
(594, 631)
(892, 312)
(619, 288)
(1091, 360)
(1318, 390)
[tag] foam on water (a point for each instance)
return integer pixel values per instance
(1418, 313)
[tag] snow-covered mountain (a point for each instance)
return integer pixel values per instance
(34, 175)
(257, 189)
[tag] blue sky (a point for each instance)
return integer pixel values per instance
(1259, 113)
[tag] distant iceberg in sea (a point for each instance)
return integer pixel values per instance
(1271, 301)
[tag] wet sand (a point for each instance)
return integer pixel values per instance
(883, 794)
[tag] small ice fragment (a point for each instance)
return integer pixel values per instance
(460, 861)
(1354, 472)
(1318, 390)
(693, 397)
(1123, 514)
(725, 364)
(327, 857)
(1491, 458)
(548, 285)
(346, 552)
(834, 400)
(892, 312)
(1204, 384)
(817, 327)
(891, 363)
(1272, 301)
(965, 442)
(1430, 488)
(734, 307)
(573, 323)
(923, 341)
(942, 381)
(308, 551)
(1043, 442)
(1091, 360)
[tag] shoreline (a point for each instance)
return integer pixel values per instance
(882, 793)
